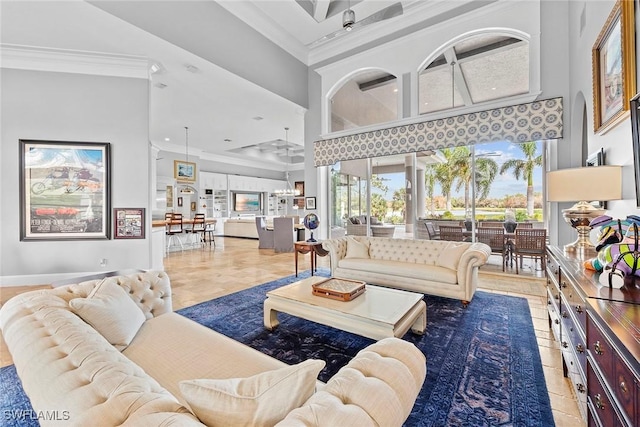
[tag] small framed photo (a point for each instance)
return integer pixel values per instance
(179, 201)
(128, 223)
(184, 171)
(299, 188)
(309, 203)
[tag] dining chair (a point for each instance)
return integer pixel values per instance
(527, 225)
(174, 230)
(265, 237)
(431, 231)
(494, 238)
(530, 243)
(283, 234)
(451, 233)
(493, 224)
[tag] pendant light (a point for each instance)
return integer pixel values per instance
(187, 189)
(289, 191)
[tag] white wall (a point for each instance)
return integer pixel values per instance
(73, 107)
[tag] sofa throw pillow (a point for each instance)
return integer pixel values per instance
(356, 249)
(111, 312)
(263, 399)
(450, 255)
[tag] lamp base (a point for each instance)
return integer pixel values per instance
(579, 216)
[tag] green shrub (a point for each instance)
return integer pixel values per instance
(447, 215)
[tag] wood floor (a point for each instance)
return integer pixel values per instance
(201, 274)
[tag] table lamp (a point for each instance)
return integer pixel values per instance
(582, 185)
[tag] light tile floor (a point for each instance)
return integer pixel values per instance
(235, 264)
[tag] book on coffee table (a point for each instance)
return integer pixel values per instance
(339, 289)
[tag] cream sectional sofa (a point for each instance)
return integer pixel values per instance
(69, 368)
(435, 267)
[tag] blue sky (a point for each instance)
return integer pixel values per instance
(502, 185)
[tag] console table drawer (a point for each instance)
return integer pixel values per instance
(620, 379)
(599, 403)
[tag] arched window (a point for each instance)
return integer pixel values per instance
(482, 68)
(367, 98)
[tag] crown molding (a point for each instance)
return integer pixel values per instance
(73, 61)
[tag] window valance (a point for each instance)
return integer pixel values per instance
(533, 121)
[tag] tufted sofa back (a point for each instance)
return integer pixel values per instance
(150, 290)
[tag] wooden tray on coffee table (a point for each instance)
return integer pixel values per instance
(339, 289)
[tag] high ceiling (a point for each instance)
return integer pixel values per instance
(223, 111)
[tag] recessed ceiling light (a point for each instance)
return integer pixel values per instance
(160, 85)
(395, 90)
(167, 139)
(156, 68)
(258, 118)
(227, 140)
(192, 68)
(493, 88)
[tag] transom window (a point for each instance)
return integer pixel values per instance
(478, 69)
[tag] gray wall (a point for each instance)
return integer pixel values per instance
(73, 107)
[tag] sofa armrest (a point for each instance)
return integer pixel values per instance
(337, 250)
(377, 388)
(475, 256)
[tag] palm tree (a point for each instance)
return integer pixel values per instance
(445, 174)
(429, 184)
(486, 171)
(524, 168)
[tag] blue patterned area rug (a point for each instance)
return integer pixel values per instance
(483, 364)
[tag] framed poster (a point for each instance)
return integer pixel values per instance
(65, 190)
(299, 188)
(184, 171)
(128, 223)
(614, 67)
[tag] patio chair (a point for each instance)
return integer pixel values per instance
(530, 243)
(431, 230)
(494, 238)
(451, 233)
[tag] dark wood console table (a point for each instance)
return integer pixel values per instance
(599, 331)
(304, 248)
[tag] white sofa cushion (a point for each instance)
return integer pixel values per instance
(356, 248)
(262, 399)
(401, 269)
(110, 311)
(450, 256)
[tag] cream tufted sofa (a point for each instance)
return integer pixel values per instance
(435, 267)
(65, 365)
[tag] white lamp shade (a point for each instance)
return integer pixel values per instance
(584, 184)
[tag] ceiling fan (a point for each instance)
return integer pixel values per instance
(349, 22)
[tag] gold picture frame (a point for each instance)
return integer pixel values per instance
(184, 171)
(614, 68)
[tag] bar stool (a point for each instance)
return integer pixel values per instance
(208, 230)
(197, 228)
(174, 229)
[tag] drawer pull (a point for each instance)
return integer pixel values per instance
(598, 402)
(580, 348)
(579, 309)
(623, 387)
(597, 347)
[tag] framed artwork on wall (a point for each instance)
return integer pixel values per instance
(614, 67)
(184, 171)
(128, 223)
(65, 190)
(309, 203)
(299, 187)
(597, 159)
(634, 105)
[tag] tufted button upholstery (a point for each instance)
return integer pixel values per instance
(394, 368)
(150, 290)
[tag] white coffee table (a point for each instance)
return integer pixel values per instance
(378, 313)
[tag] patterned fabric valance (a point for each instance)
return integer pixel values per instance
(519, 123)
